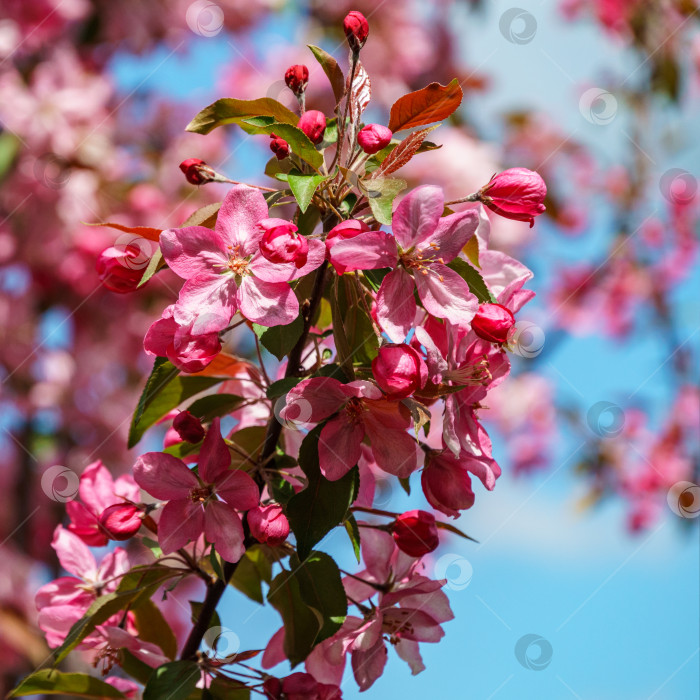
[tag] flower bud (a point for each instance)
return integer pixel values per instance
(297, 78)
(197, 171)
(373, 138)
(268, 524)
(120, 269)
(282, 244)
(188, 427)
(279, 147)
(493, 322)
(415, 533)
(272, 688)
(517, 193)
(356, 30)
(313, 124)
(121, 521)
(344, 230)
(399, 370)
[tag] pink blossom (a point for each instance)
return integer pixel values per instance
(424, 242)
(517, 193)
(373, 137)
(268, 524)
(120, 269)
(282, 244)
(226, 272)
(399, 370)
(109, 639)
(206, 503)
(121, 521)
(344, 230)
(97, 490)
(362, 411)
(313, 124)
(493, 322)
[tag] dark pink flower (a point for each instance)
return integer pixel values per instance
(297, 78)
(282, 244)
(120, 269)
(415, 533)
(493, 322)
(197, 171)
(373, 137)
(517, 193)
(399, 370)
(268, 524)
(279, 147)
(313, 124)
(356, 30)
(204, 503)
(188, 427)
(121, 521)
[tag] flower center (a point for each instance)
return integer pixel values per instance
(237, 264)
(354, 409)
(419, 259)
(106, 658)
(470, 374)
(201, 494)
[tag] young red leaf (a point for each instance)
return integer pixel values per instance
(430, 104)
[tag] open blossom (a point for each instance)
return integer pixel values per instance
(108, 640)
(423, 243)
(206, 503)
(517, 193)
(225, 271)
(362, 411)
(64, 601)
(98, 490)
(282, 244)
(399, 370)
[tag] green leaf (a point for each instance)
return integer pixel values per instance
(209, 407)
(381, 192)
(165, 389)
(348, 204)
(279, 340)
(253, 568)
(174, 681)
(223, 688)
(196, 611)
(302, 624)
(229, 111)
(154, 264)
(48, 681)
(473, 278)
(204, 216)
(303, 187)
(353, 531)
(452, 528)
(300, 143)
(471, 250)
(9, 147)
(153, 627)
(375, 277)
(282, 386)
(323, 504)
(134, 667)
(321, 588)
(332, 70)
(308, 220)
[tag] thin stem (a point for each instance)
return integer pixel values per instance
(474, 197)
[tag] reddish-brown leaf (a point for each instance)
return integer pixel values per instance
(431, 104)
(152, 234)
(223, 365)
(402, 153)
(360, 93)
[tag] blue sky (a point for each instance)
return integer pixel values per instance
(620, 612)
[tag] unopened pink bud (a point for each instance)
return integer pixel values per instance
(356, 30)
(297, 78)
(399, 370)
(493, 322)
(120, 269)
(517, 193)
(188, 427)
(282, 244)
(373, 137)
(121, 521)
(268, 524)
(197, 171)
(415, 533)
(313, 124)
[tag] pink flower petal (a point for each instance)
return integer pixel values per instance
(396, 307)
(274, 651)
(419, 626)
(417, 215)
(339, 447)
(223, 528)
(214, 456)
(267, 303)
(180, 522)
(286, 272)
(367, 251)
(208, 301)
(368, 665)
(164, 476)
(395, 451)
(237, 223)
(74, 555)
(410, 653)
(238, 489)
(452, 233)
(446, 295)
(314, 400)
(192, 250)
(97, 487)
